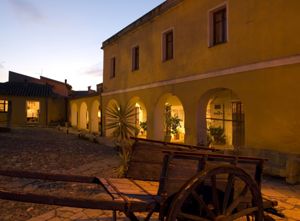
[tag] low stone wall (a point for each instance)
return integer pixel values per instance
(83, 134)
(280, 164)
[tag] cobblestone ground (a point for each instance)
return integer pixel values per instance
(48, 150)
(51, 151)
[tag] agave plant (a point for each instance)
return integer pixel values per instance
(121, 121)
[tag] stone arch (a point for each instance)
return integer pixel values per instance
(95, 116)
(220, 119)
(140, 116)
(169, 104)
(74, 115)
(111, 103)
(83, 116)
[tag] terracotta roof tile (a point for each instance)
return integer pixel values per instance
(26, 89)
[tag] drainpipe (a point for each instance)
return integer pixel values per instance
(46, 111)
(102, 121)
(9, 114)
(66, 112)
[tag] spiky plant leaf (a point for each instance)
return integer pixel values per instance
(121, 120)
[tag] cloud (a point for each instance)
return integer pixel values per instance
(94, 70)
(26, 10)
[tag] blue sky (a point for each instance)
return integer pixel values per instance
(61, 39)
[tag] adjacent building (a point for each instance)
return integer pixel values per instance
(229, 70)
(27, 101)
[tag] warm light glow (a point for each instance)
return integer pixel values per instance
(33, 111)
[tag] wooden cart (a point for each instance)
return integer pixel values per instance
(180, 182)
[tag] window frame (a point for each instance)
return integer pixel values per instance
(112, 73)
(212, 26)
(165, 54)
(4, 103)
(135, 58)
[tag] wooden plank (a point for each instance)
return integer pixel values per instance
(125, 188)
(64, 201)
(47, 176)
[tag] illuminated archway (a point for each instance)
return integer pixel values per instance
(140, 116)
(169, 119)
(74, 115)
(221, 119)
(95, 117)
(83, 116)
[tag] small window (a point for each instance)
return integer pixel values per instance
(168, 45)
(112, 67)
(3, 106)
(218, 32)
(135, 58)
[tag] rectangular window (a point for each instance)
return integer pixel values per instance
(3, 106)
(168, 45)
(219, 26)
(112, 67)
(135, 58)
(33, 111)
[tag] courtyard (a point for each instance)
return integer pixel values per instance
(52, 151)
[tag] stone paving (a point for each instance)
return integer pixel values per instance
(48, 150)
(287, 196)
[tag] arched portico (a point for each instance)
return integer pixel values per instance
(221, 119)
(169, 119)
(95, 116)
(140, 116)
(83, 116)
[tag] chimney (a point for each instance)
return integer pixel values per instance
(89, 89)
(66, 81)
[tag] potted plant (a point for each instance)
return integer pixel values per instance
(172, 123)
(175, 124)
(216, 135)
(143, 126)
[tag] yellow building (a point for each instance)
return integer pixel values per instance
(30, 104)
(229, 70)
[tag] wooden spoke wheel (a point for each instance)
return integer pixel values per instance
(222, 193)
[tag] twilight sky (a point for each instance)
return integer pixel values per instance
(61, 39)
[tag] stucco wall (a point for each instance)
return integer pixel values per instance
(268, 96)
(56, 110)
(257, 31)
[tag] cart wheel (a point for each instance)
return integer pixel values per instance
(222, 193)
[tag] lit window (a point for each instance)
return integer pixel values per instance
(218, 29)
(3, 106)
(168, 45)
(112, 67)
(33, 111)
(135, 58)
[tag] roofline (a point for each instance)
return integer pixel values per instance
(60, 82)
(94, 94)
(160, 9)
(24, 75)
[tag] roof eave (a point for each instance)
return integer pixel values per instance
(160, 9)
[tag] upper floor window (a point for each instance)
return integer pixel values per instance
(168, 45)
(135, 58)
(112, 67)
(218, 27)
(3, 106)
